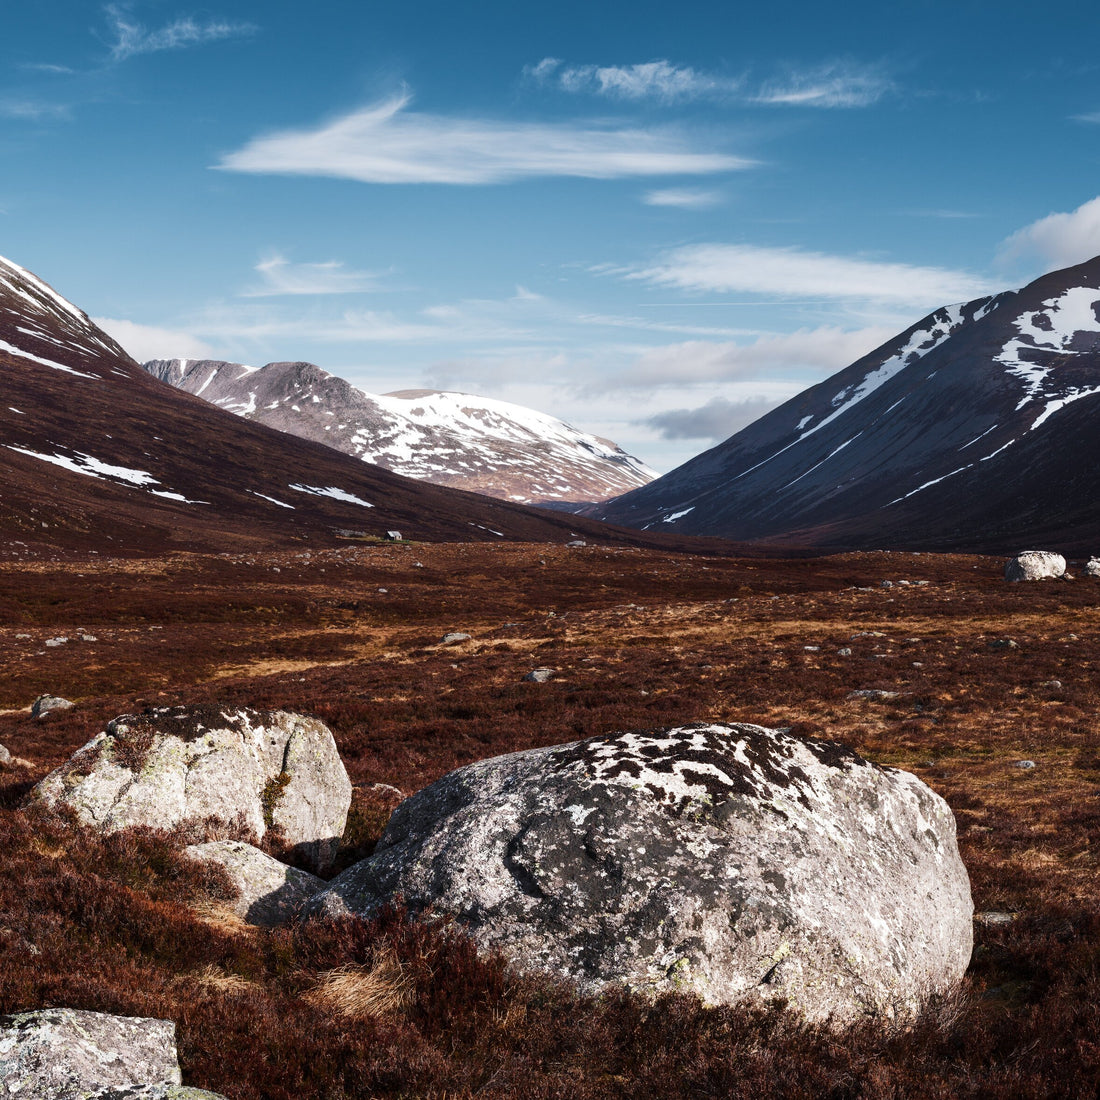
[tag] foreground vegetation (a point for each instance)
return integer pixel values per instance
(986, 674)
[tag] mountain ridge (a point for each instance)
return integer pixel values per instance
(461, 440)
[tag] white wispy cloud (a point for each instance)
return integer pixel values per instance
(819, 352)
(833, 85)
(649, 80)
(33, 110)
(686, 198)
(132, 38)
(793, 273)
(280, 276)
(386, 143)
(1058, 240)
(718, 419)
(145, 342)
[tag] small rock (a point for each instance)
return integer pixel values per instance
(539, 675)
(54, 642)
(886, 584)
(1052, 685)
(88, 638)
(872, 693)
(1092, 569)
(1025, 765)
(5, 756)
(868, 634)
(454, 638)
(812, 648)
(1035, 565)
(47, 704)
(152, 1092)
(577, 542)
(270, 892)
(844, 651)
(1002, 643)
(994, 917)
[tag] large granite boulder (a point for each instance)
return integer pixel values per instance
(260, 769)
(734, 862)
(67, 1053)
(269, 893)
(1035, 565)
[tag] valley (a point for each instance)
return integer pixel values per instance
(973, 677)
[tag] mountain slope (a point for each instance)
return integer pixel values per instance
(975, 429)
(95, 453)
(476, 443)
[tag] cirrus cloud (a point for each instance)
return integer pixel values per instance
(386, 143)
(793, 273)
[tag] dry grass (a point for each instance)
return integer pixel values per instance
(380, 989)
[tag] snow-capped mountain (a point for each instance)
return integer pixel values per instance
(95, 453)
(456, 439)
(977, 428)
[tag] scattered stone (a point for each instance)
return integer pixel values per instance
(5, 756)
(868, 634)
(1002, 643)
(539, 675)
(454, 638)
(88, 638)
(1035, 565)
(1026, 765)
(994, 917)
(1092, 568)
(872, 693)
(1053, 685)
(844, 651)
(577, 542)
(270, 892)
(65, 1053)
(886, 584)
(263, 769)
(152, 1092)
(54, 642)
(48, 704)
(734, 862)
(812, 648)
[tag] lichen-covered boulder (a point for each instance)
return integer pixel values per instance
(67, 1053)
(269, 892)
(1035, 565)
(1092, 567)
(259, 769)
(735, 862)
(49, 704)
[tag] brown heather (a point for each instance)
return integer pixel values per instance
(640, 639)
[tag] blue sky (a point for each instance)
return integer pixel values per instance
(654, 220)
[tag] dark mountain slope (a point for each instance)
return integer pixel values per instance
(976, 429)
(95, 453)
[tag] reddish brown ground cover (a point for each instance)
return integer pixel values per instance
(640, 639)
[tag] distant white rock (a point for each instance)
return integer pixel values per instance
(1035, 565)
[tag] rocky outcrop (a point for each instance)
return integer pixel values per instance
(260, 769)
(152, 1092)
(66, 1053)
(1035, 565)
(735, 862)
(269, 892)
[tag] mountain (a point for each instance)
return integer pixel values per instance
(97, 454)
(976, 429)
(455, 439)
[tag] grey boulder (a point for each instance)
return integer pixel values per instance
(269, 892)
(734, 862)
(49, 704)
(1092, 567)
(67, 1053)
(153, 1092)
(261, 769)
(1035, 565)
(5, 755)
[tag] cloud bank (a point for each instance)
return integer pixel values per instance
(145, 342)
(386, 143)
(718, 419)
(1058, 240)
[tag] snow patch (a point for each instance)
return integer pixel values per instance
(332, 492)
